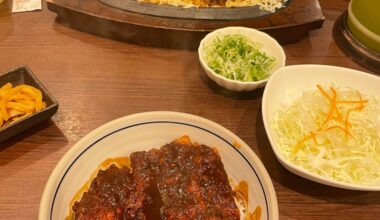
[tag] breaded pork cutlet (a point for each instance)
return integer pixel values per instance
(146, 170)
(179, 181)
(111, 196)
(194, 185)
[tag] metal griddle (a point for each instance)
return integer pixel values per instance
(214, 13)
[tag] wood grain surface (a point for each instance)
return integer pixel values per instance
(97, 80)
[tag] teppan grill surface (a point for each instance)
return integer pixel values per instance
(211, 13)
(149, 24)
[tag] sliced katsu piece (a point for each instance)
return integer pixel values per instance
(146, 170)
(193, 183)
(112, 195)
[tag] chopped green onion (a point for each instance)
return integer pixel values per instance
(235, 57)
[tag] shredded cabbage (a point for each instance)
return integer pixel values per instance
(352, 157)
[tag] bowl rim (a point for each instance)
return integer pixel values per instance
(368, 33)
(300, 171)
(70, 155)
(254, 31)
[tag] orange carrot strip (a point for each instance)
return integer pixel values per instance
(298, 147)
(333, 108)
(299, 144)
(361, 103)
(329, 115)
(313, 135)
(338, 127)
(339, 116)
(331, 111)
(347, 123)
(351, 102)
(323, 92)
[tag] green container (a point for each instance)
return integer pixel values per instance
(364, 22)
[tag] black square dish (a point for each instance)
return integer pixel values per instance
(23, 75)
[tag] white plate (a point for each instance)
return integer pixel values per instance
(290, 82)
(144, 131)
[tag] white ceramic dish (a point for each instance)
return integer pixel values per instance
(270, 47)
(144, 131)
(290, 82)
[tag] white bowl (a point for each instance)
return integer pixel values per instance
(289, 83)
(145, 131)
(270, 47)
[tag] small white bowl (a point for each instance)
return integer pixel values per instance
(289, 83)
(270, 46)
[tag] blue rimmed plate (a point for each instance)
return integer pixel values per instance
(144, 131)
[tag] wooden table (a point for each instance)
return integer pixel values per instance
(97, 80)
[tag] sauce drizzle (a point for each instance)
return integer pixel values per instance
(241, 194)
(118, 161)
